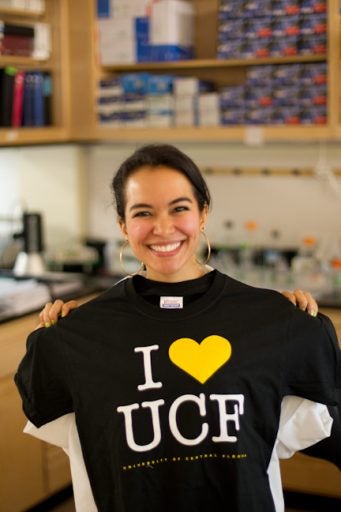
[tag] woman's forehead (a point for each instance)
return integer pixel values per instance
(154, 180)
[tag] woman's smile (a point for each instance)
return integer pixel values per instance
(166, 248)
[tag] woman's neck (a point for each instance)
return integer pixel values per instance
(195, 273)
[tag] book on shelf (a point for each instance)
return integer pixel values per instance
(25, 40)
(16, 39)
(28, 100)
(7, 78)
(20, 46)
(47, 98)
(38, 99)
(18, 99)
(25, 98)
(42, 41)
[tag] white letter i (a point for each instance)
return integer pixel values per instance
(147, 365)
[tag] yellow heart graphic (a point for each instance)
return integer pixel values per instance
(200, 360)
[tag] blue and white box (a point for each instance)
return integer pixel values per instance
(160, 110)
(160, 84)
(191, 85)
(135, 83)
(117, 40)
(172, 29)
(142, 39)
(209, 109)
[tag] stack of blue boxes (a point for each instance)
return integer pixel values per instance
(271, 28)
(277, 94)
(270, 94)
(136, 100)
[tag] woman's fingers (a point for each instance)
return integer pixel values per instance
(68, 306)
(302, 299)
(52, 311)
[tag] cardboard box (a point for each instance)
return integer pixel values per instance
(172, 23)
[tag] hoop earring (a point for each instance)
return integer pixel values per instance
(123, 246)
(207, 242)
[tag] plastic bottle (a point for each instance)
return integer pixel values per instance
(247, 268)
(306, 267)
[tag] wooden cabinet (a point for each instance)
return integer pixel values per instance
(230, 72)
(306, 474)
(76, 69)
(30, 469)
(57, 65)
(22, 479)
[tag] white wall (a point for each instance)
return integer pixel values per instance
(51, 179)
(48, 179)
(9, 191)
(296, 206)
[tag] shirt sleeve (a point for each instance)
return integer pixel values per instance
(330, 448)
(302, 424)
(42, 378)
(312, 364)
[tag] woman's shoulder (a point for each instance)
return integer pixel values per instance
(235, 286)
(115, 292)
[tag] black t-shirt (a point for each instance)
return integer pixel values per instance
(177, 407)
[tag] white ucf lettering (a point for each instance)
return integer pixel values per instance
(225, 419)
(128, 419)
(147, 366)
(173, 423)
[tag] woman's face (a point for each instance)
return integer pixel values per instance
(162, 223)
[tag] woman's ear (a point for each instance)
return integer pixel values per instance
(203, 217)
(123, 227)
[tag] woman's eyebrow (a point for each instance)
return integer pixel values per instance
(171, 203)
(140, 205)
(180, 200)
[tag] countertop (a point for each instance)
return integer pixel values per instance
(22, 299)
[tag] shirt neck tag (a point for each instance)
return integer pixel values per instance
(171, 302)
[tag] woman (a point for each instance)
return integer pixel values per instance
(176, 376)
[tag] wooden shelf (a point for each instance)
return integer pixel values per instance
(24, 62)
(247, 134)
(58, 65)
(21, 13)
(211, 63)
(31, 135)
(229, 72)
(76, 71)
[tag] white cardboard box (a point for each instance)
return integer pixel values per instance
(172, 22)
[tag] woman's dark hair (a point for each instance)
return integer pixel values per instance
(157, 155)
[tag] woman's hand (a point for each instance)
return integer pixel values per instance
(52, 311)
(302, 300)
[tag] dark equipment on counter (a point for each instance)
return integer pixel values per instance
(30, 260)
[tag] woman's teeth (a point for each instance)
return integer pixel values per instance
(165, 248)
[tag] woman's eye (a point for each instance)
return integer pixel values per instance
(142, 214)
(178, 209)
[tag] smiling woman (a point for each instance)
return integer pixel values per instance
(163, 223)
(162, 204)
(178, 369)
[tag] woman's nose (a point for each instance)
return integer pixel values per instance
(163, 225)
